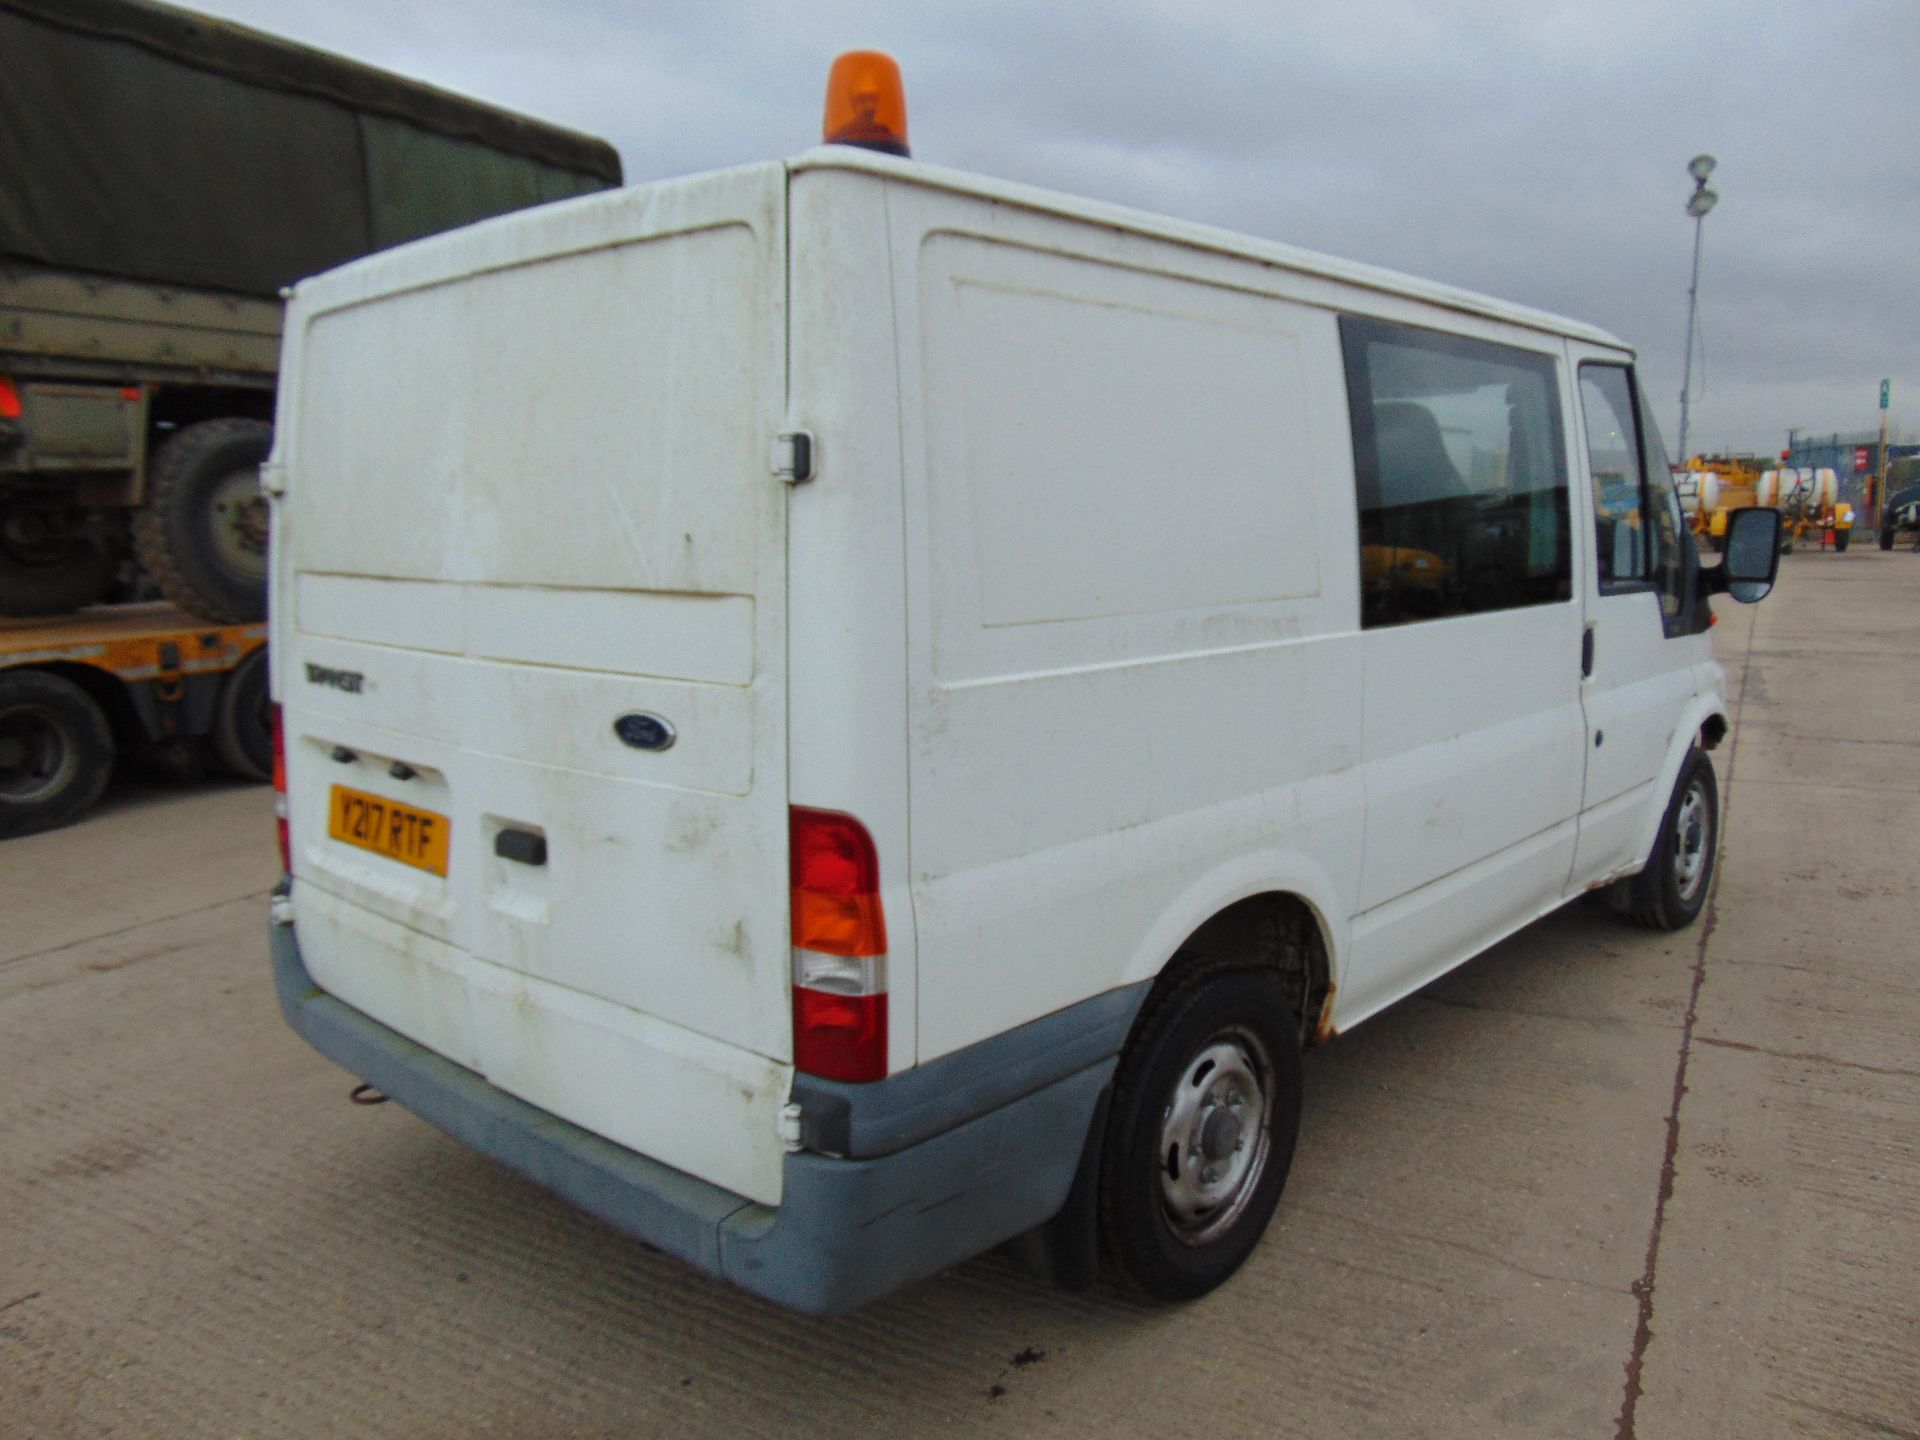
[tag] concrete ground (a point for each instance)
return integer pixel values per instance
(1600, 1182)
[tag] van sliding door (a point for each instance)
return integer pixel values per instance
(1473, 735)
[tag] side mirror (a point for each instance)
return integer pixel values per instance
(1752, 560)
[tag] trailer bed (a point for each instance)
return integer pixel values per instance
(132, 642)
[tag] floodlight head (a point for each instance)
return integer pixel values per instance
(1700, 202)
(1701, 166)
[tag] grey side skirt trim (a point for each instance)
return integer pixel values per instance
(846, 1231)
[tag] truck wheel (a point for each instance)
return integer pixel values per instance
(1200, 1132)
(202, 532)
(56, 752)
(1886, 539)
(1671, 891)
(1841, 538)
(242, 734)
(55, 561)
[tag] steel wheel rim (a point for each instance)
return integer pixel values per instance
(1214, 1136)
(1692, 837)
(239, 522)
(36, 758)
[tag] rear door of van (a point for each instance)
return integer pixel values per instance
(529, 589)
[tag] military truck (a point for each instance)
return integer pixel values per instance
(163, 175)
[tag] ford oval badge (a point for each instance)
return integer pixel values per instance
(644, 731)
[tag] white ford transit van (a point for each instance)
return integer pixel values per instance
(838, 713)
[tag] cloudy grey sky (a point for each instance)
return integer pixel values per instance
(1532, 149)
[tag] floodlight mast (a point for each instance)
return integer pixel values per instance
(1698, 204)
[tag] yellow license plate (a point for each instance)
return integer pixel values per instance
(391, 828)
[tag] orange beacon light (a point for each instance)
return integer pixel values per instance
(866, 103)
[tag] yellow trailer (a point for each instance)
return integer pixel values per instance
(77, 691)
(1712, 487)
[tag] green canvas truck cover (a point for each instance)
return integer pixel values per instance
(155, 144)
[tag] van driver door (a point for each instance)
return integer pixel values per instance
(1637, 667)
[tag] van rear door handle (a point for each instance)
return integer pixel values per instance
(522, 845)
(1586, 653)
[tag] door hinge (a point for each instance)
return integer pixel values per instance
(790, 1125)
(793, 456)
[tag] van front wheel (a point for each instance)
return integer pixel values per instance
(1671, 891)
(1200, 1133)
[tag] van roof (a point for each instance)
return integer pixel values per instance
(1201, 237)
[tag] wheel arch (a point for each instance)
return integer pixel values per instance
(1704, 727)
(1276, 909)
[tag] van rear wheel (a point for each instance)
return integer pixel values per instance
(1671, 891)
(1200, 1132)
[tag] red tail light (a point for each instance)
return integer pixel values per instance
(840, 1037)
(839, 949)
(280, 793)
(836, 885)
(9, 400)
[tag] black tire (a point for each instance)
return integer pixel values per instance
(1841, 538)
(61, 572)
(1672, 890)
(1175, 1231)
(1886, 539)
(201, 533)
(56, 752)
(242, 734)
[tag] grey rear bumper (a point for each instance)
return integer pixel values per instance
(847, 1231)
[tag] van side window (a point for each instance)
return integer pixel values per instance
(1460, 471)
(1636, 528)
